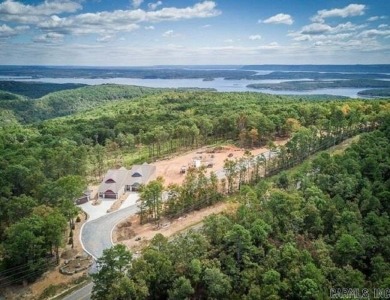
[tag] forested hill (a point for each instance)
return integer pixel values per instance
(35, 89)
(66, 102)
(186, 116)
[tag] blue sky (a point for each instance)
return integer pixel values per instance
(177, 32)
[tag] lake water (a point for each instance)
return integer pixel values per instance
(219, 84)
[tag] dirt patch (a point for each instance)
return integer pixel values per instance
(212, 157)
(144, 233)
(124, 231)
(69, 253)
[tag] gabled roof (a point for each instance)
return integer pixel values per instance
(143, 173)
(140, 174)
(118, 176)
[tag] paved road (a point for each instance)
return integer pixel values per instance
(96, 236)
(81, 294)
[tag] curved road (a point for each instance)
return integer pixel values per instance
(95, 236)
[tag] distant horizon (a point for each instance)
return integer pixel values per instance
(187, 65)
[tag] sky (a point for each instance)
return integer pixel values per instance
(194, 32)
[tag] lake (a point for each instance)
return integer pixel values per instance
(219, 84)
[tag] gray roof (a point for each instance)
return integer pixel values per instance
(139, 174)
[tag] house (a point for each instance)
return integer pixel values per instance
(118, 181)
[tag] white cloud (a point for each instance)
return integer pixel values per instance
(371, 19)
(279, 19)
(347, 27)
(255, 37)
(352, 51)
(270, 46)
(316, 28)
(229, 41)
(375, 18)
(169, 34)
(11, 10)
(151, 27)
(137, 3)
(322, 28)
(372, 33)
(153, 6)
(105, 39)
(50, 37)
(206, 26)
(351, 10)
(383, 26)
(86, 24)
(204, 9)
(125, 20)
(7, 31)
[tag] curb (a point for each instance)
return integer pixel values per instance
(81, 241)
(113, 228)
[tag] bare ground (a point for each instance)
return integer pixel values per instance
(168, 227)
(170, 168)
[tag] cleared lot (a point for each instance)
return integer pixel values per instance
(170, 168)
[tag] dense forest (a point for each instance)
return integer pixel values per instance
(375, 93)
(46, 161)
(34, 89)
(65, 102)
(326, 84)
(297, 236)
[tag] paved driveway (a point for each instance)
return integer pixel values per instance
(96, 211)
(96, 234)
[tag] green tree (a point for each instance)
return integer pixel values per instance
(231, 170)
(113, 267)
(217, 284)
(181, 289)
(238, 242)
(347, 249)
(307, 289)
(151, 200)
(25, 248)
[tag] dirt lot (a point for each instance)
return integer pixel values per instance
(170, 168)
(169, 227)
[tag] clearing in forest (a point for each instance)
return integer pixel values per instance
(212, 157)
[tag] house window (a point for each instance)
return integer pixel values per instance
(110, 180)
(136, 174)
